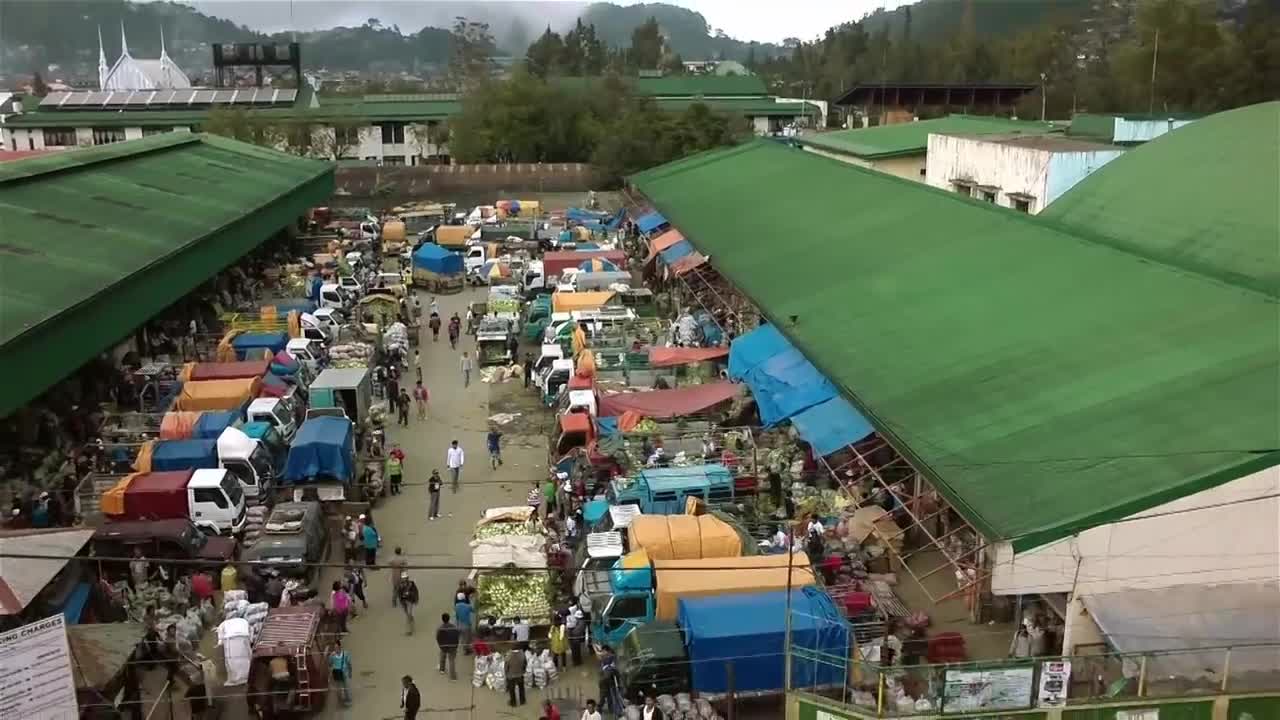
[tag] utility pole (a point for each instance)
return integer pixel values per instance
(786, 633)
(1043, 78)
(1155, 59)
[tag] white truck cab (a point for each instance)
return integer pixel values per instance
(556, 376)
(549, 354)
(351, 285)
(332, 296)
(602, 550)
(532, 280)
(307, 352)
(558, 320)
(475, 258)
(583, 401)
(277, 412)
(248, 460)
(314, 329)
(216, 502)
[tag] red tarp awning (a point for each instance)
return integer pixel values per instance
(668, 356)
(229, 370)
(662, 242)
(688, 262)
(661, 404)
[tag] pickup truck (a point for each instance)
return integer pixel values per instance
(294, 536)
(639, 596)
(742, 630)
(211, 499)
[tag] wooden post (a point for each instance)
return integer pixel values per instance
(1226, 670)
(1142, 677)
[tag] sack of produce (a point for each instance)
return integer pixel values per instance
(481, 669)
(257, 612)
(549, 664)
(667, 704)
(234, 595)
(704, 708)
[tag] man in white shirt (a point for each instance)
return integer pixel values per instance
(650, 710)
(520, 631)
(454, 458)
(591, 713)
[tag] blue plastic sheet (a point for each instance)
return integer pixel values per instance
(170, 455)
(593, 511)
(248, 342)
(753, 348)
(324, 446)
(677, 251)
(436, 259)
(786, 384)
(607, 426)
(650, 222)
(831, 425)
(212, 423)
(748, 631)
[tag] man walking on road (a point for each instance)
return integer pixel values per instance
(410, 699)
(455, 459)
(408, 592)
(434, 483)
(515, 664)
(447, 640)
(402, 407)
(464, 616)
(420, 397)
(494, 442)
(398, 564)
(528, 369)
(466, 369)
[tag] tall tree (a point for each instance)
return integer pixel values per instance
(646, 45)
(470, 61)
(546, 54)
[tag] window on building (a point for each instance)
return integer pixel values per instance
(988, 196)
(962, 188)
(392, 133)
(106, 136)
(149, 131)
(347, 137)
(393, 160)
(59, 137)
(1021, 204)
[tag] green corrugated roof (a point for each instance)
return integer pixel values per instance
(96, 241)
(912, 138)
(1203, 197)
(677, 85)
(370, 108)
(1045, 382)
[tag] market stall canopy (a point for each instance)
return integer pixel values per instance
(669, 356)
(597, 265)
(786, 386)
(228, 370)
(437, 259)
(101, 651)
(650, 221)
(661, 404)
(663, 241)
(676, 251)
(1191, 617)
(22, 578)
(568, 302)
(688, 263)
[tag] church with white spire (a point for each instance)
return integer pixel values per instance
(130, 73)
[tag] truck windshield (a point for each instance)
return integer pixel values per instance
(260, 461)
(231, 487)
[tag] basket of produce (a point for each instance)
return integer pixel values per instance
(508, 593)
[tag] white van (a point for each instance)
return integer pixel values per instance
(307, 352)
(276, 412)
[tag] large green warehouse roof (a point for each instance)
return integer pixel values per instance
(912, 138)
(97, 241)
(1047, 383)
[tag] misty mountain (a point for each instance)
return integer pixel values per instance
(687, 32)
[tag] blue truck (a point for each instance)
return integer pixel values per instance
(742, 631)
(322, 461)
(664, 491)
(246, 459)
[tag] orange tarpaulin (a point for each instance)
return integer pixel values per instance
(662, 242)
(217, 394)
(142, 463)
(454, 235)
(669, 356)
(692, 261)
(586, 365)
(568, 302)
(177, 425)
(684, 537)
(113, 500)
(227, 353)
(185, 373)
(675, 579)
(579, 340)
(628, 421)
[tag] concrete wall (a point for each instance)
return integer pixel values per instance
(1136, 131)
(910, 167)
(426, 181)
(1067, 169)
(1198, 545)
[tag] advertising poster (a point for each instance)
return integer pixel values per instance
(993, 689)
(35, 673)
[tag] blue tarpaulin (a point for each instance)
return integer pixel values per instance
(607, 426)
(76, 601)
(436, 259)
(245, 343)
(323, 447)
(593, 511)
(650, 221)
(301, 305)
(831, 425)
(748, 631)
(212, 423)
(170, 455)
(786, 386)
(617, 219)
(677, 251)
(580, 215)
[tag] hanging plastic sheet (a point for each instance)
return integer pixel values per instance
(831, 425)
(676, 251)
(649, 222)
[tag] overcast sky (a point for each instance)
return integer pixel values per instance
(742, 19)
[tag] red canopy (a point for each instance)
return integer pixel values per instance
(662, 242)
(230, 370)
(689, 262)
(668, 356)
(662, 404)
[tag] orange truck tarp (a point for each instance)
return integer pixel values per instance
(454, 235)
(393, 231)
(142, 463)
(664, 404)
(568, 302)
(579, 340)
(677, 579)
(586, 366)
(229, 370)
(662, 242)
(217, 394)
(684, 537)
(112, 502)
(669, 356)
(178, 425)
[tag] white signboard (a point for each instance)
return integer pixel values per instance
(35, 673)
(995, 689)
(1055, 679)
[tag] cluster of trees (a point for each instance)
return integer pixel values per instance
(1099, 60)
(531, 119)
(582, 52)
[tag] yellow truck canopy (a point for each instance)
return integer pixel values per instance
(677, 579)
(454, 235)
(684, 537)
(568, 302)
(217, 394)
(393, 231)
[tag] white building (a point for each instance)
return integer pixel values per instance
(1019, 171)
(130, 73)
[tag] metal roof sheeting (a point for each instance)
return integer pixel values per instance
(991, 347)
(22, 578)
(912, 138)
